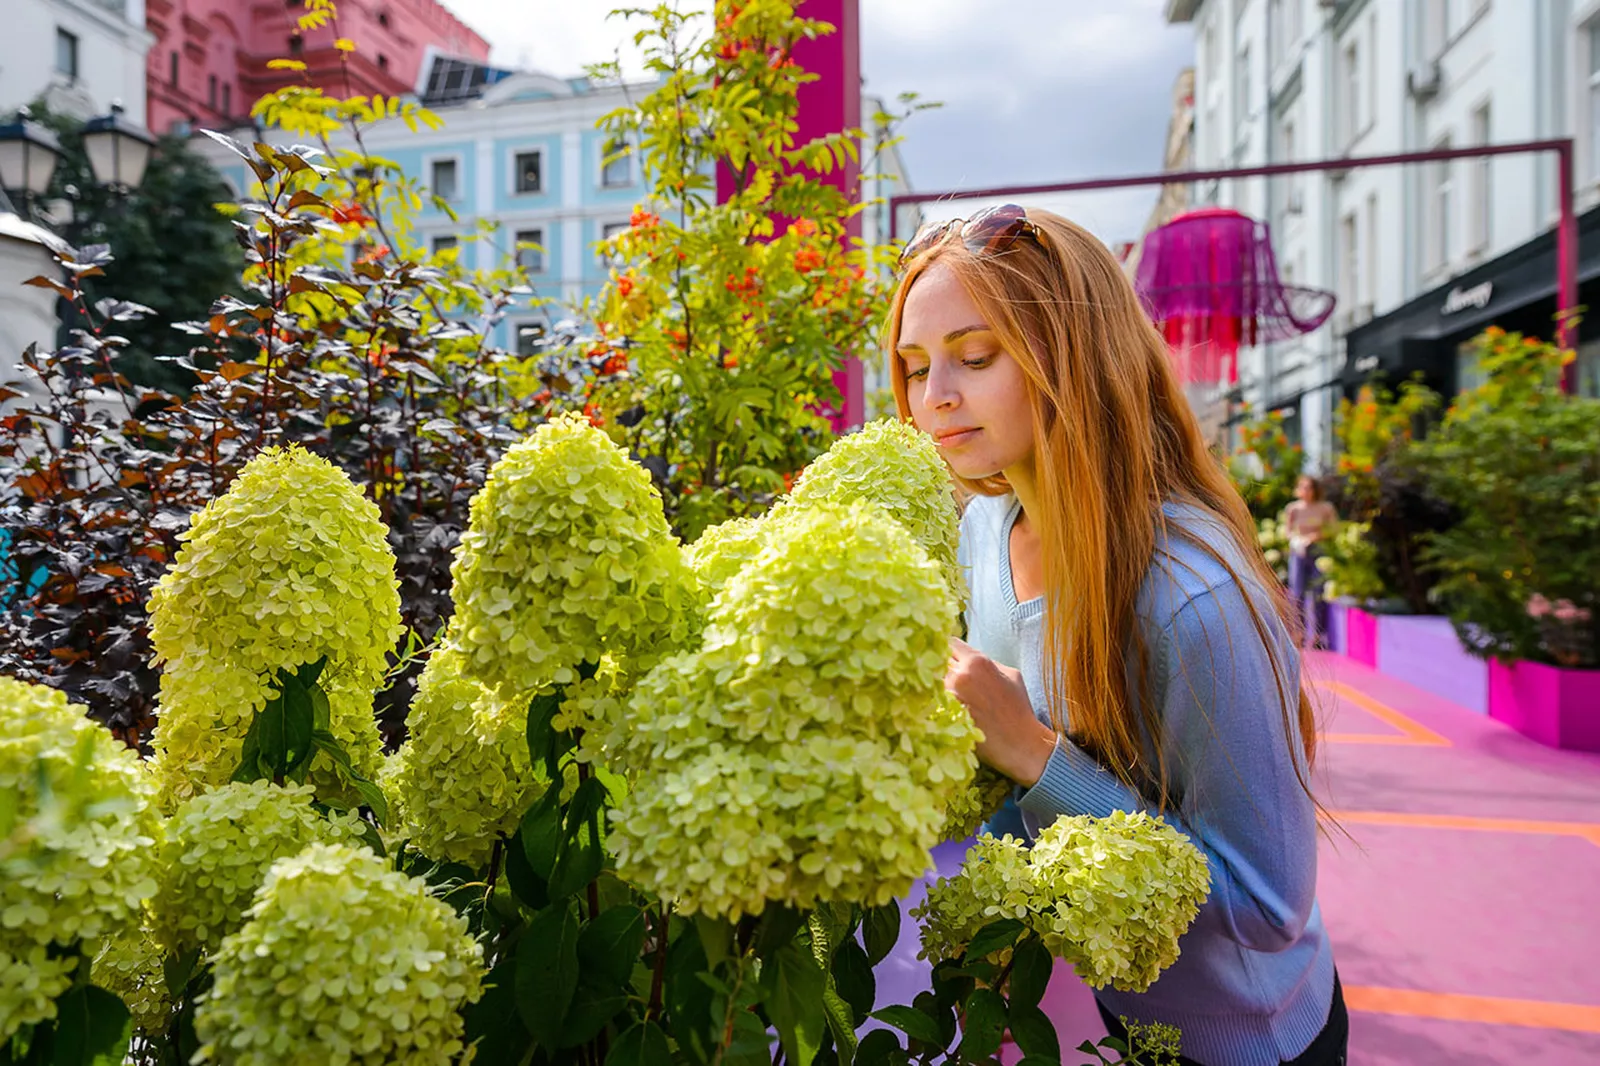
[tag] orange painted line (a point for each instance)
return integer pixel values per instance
(1491, 1010)
(1589, 831)
(1413, 731)
(1399, 740)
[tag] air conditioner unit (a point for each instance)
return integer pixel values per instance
(1424, 80)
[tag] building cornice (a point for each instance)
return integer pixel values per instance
(1182, 10)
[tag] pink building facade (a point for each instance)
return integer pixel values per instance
(209, 60)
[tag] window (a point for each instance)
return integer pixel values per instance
(172, 69)
(1349, 263)
(1369, 295)
(383, 62)
(528, 170)
(1241, 91)
(67, 53)
(1435, 27)
(1594, 99)
(608, 231)
(383, 19)
(1478, 220)
(227, 99)
(1291, 182)
(445, 242)
(297, 44)
(443, 183)
(1210, 151)
(1350, 94)
(1440, 193)
(530, 259)
(530, 338)
(617, 169)
(211, 91)
(1276, 45)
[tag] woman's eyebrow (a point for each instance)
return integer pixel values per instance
(949, 338)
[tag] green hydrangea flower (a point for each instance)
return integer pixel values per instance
(803, 753)
(567, 557)
(218, 848)
(1122, 890)
(341, 960)
(722, 550)
(897, 467)
(976, 803)
(1110, 895)
(76, 833)
(463, 778)
(130, 966)
(291, 564)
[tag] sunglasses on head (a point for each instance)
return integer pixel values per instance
(989, 232)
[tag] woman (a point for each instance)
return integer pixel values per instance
(1130, 649)
(1306, 521)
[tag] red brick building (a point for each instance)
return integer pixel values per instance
(209, 60)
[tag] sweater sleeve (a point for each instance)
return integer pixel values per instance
(1242, 802)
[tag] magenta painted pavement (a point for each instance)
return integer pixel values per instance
(1458, 885)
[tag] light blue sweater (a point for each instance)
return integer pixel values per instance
(1254, 981)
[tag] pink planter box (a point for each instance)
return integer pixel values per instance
(1559, 708)
(1361, 636)
(1423, 650)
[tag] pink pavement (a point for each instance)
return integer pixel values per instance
(1460, 881)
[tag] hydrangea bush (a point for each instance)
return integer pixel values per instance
(1110, 895)
(289, 566)
(342, 959)
(76, 833)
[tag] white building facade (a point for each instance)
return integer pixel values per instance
(79, 57)
(1407, 250)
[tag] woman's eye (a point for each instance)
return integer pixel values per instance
(977, 362)
(914, 373)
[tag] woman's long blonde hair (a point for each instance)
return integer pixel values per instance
(1114, 440)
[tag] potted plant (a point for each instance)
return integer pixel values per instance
(1519, 574)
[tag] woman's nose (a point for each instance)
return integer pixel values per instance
(941, 392)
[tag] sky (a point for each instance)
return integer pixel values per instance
(1033, 91)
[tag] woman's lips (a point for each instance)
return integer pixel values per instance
(958, 438)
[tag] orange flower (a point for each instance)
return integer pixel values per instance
(803, 227)
(807, 259)
(642, 219)
(372, 255)
(625, 286)
(349, 214)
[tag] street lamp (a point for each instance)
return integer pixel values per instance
(28, 155)
(118, 150)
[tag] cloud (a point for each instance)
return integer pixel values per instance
(1033, 90)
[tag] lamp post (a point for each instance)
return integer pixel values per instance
(28, 156)
(118, 150)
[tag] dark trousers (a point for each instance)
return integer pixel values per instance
(1328, 1049)
(1305, 583)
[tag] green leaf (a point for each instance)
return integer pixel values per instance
(912, 1022)
(1034, 1032)
(579, 862)
(92, 1026)
(791, 990)
(528, 886)
(687, 998)
(1031, 966)
(880, 1048)
(852, 976)
(643, 1044)
(996, 936)
(178, 969)
(881, 929)
(985, 1025)
(547, 972)
(716, 938)
(541, 832)
(609, 945)
(492, 1022)
(841, 1024)
(250, 755)
(779, 925)
(544, 742)
(594, 1004)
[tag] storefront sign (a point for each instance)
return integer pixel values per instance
(1459, 299)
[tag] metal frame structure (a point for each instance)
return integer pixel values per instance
(1566, 226)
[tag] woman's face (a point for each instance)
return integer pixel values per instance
(1305, 490)
(964, 390)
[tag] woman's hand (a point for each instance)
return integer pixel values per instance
(1015, 742)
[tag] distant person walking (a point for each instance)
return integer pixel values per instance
(1307, 520)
